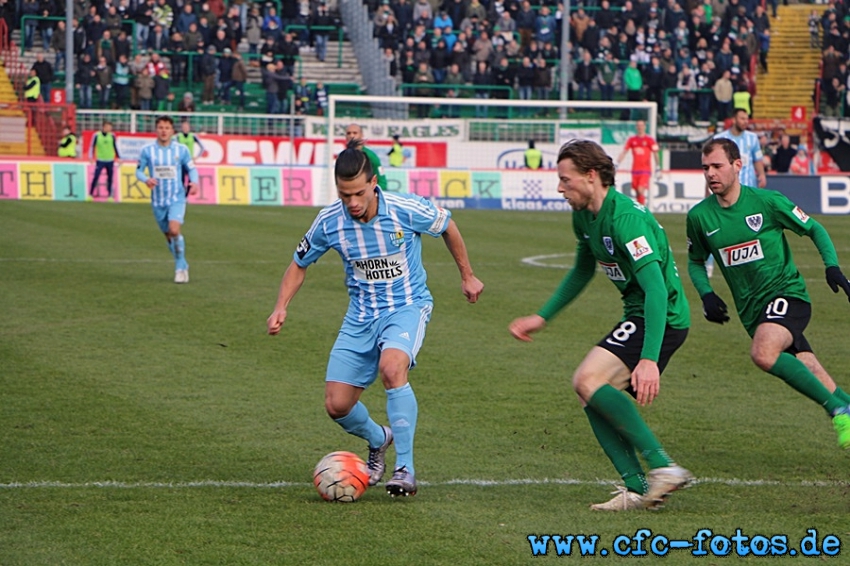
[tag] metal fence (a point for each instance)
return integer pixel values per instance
(208, 122)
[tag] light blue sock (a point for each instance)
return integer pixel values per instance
(402, 411)
(359, 423)
(180, 253)
(172, 247)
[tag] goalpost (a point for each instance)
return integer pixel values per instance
(469, 151)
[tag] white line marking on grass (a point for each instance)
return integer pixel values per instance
(166, 259)
(163, 260)
(156, 485)
(539, 260)
(731, 482)
(534, 261)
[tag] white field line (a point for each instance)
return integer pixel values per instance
(164, 259)
(540, 260)
(731, 482)
(534, 261)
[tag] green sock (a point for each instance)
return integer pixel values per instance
(620, 452)
(621, 414)
(795, 373)
(841, 394)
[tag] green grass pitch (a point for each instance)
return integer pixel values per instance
(143, 422)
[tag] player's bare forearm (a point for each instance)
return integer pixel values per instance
(194, 181)
(457, 247)
(761, 178)
(471, 286)
(292, 280)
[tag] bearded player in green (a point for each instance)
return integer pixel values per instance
(744, 229)
(632, 250)
(355, 132)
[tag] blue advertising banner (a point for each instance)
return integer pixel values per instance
(816, 195)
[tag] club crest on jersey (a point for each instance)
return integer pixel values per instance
(639, 247)
(397, 238)
(740, 254)
(798, 212)
(612, 271)
(754, 221)
(609, 244)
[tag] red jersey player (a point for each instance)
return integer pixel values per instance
(643, 149)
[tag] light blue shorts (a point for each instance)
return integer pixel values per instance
(357, 351)
(165, 214)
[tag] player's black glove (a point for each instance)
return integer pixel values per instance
(836, 279)
(714, 309)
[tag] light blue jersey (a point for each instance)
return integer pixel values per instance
(748, 145)
(166, 165)
(383, 257)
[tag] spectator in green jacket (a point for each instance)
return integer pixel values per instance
(634, 86)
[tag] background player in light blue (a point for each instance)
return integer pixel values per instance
(752, 159)
(160, 167)
(378, 237)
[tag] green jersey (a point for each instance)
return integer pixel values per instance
(623, 238)
(376, 167)
(748, 242)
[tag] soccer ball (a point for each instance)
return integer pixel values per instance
(341, 476)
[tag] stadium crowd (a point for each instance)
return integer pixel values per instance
(830, 31)
(695, 60)
(133, 53)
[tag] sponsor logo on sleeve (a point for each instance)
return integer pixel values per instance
(439, 220)
(303, 247)
(613, 271)
(798, 212)
(740, 254)
(639, 248)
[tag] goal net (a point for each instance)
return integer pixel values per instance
(469, 152)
